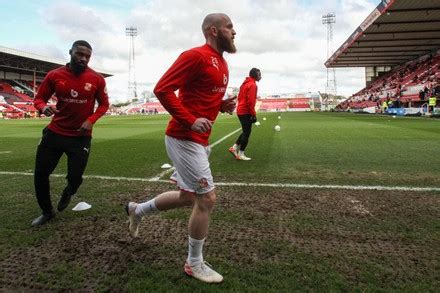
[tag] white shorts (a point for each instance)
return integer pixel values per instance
(190, 160)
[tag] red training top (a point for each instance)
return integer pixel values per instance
(76, 97)
(201, 76)
(247, 97)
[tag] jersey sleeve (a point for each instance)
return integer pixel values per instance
(252, 99)
(103, 103)
(45, 91)
(184, 69)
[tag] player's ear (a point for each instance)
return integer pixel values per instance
(214, 31)
(70, 52)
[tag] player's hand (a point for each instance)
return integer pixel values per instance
(86, 126)
(49, 110)
(201, 125)
(228, 105)
(253, 119)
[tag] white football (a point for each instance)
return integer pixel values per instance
(264, 118)
(277, 128)
(257, 123)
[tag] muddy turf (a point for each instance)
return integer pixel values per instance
(267, 239)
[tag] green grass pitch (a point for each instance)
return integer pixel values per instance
(261, 237)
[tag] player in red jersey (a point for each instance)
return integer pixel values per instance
(201, 76)
(76, 87)
(247, 97)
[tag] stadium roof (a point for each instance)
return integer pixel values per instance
(395, 32)
(12, 60)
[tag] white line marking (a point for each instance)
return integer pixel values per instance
(244, 184)
(5, 152)
(317, 186)
(157, 177)
(224, 137)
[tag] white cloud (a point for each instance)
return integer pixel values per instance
(285, 39)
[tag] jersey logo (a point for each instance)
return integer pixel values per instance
(203, 183)
(225, 79)
(73, 93)
(214, 62)
(88, 86)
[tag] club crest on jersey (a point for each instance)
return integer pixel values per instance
(225, 79)
(203, 182)
(73, 93)
(88, 86)
(214, 62)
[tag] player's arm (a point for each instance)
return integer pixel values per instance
(45, 91)
(101, 97)
(252, 99)
(184, 70)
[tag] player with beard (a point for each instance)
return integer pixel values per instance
(76, 87)
(201, 76)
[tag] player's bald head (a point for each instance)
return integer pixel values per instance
(213, 20)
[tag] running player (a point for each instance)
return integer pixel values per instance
(201, 76)
(76, 87)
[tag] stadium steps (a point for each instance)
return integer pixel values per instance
(30, 92)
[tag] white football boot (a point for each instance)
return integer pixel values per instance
(233, 151)
(242, 157)
(203, 272)
(134, 220)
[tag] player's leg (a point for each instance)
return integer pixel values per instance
(234, 149)
(47, 158)
(194, 175)
(199, 222)
(246, 125)
(181, 154)
(163, 202)
(77, 151)
(195, 266)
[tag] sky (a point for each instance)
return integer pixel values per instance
(285, 39)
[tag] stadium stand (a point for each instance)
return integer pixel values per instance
(298, 103)
(15, 103)
(273, 105)
(143, 108)
(409, 84)
(398, 44)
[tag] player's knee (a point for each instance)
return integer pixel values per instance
(207, 201)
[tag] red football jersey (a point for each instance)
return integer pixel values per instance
(76, 97)
(247, 97)
(201, 75)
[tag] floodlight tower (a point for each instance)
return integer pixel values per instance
(131, 32)
(329, 19)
